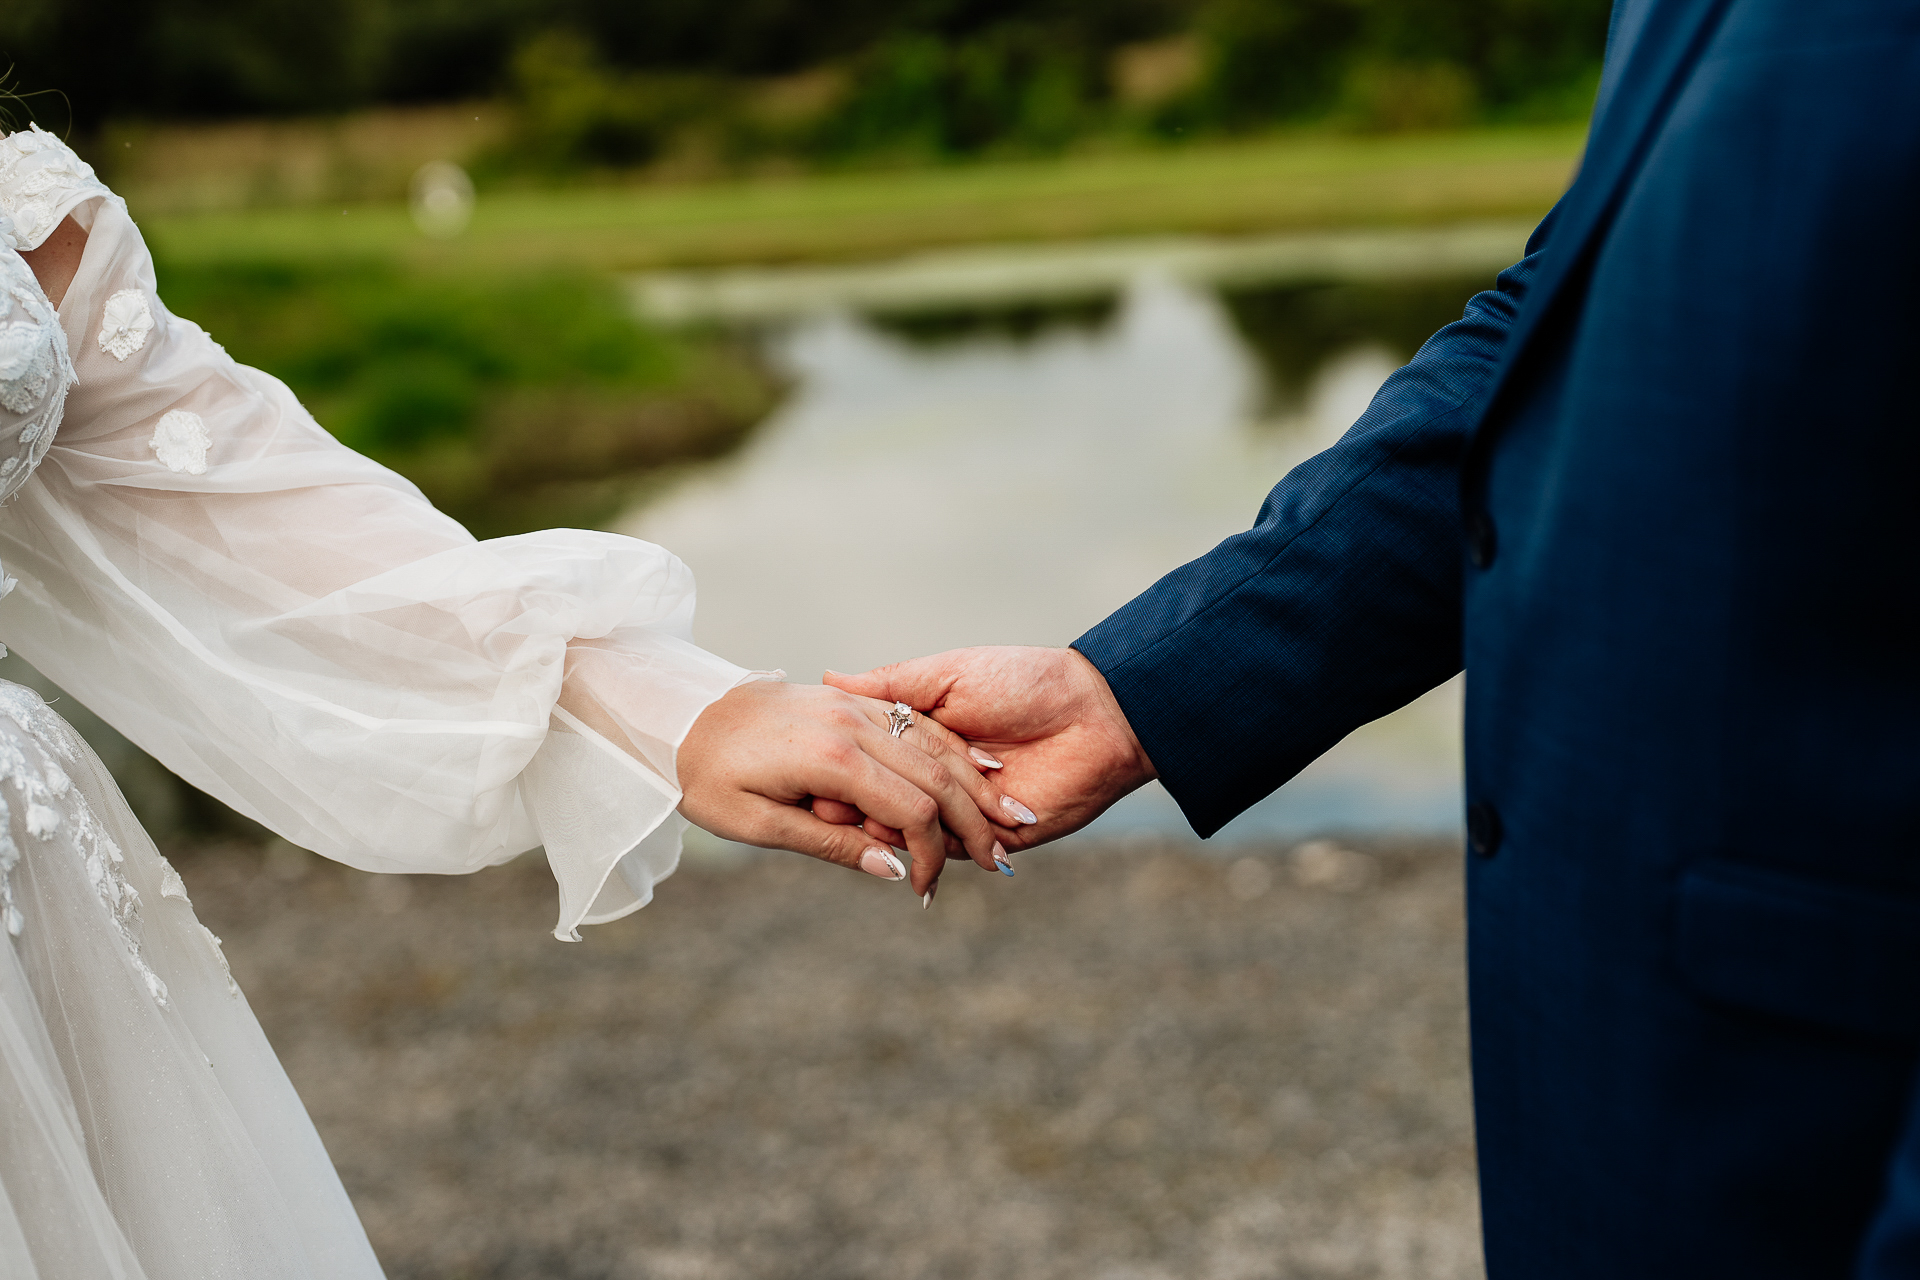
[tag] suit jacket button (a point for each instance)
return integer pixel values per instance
(1483, 828)
(1481, 540)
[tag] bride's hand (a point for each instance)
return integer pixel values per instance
(754, 757)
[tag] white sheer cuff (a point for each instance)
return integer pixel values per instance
(603, 795)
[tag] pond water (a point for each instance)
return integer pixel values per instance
(1011, 473)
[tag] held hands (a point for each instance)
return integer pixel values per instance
(815, 770)
(1046, 716)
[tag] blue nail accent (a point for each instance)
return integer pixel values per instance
(1006, 868)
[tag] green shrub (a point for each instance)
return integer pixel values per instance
(514, 402)
(924, 95)
(575, 111)
(1385, 64)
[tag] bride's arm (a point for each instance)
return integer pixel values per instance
(56, 260)
(295, 630)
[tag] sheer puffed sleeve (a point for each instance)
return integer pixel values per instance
(295, 630)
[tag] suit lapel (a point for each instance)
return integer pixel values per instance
(1659, 41)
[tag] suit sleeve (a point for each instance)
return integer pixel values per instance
(1342, 602)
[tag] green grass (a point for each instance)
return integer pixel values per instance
(1284, 183)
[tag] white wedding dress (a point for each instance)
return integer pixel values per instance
(293, 629)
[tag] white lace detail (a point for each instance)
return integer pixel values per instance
(26, 363)
(39, 175)
(9, 859)
(35, 372)
(171, 885)
(126, 324)
(220, 954)
(180, 440)
(52, 802)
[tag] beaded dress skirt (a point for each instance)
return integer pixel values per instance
(146, 1128)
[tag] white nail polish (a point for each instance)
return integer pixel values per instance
(879, 862)
(926, 899)
(982, 759)
(1018, 811)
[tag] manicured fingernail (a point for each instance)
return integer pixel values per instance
(1000, 859)
(982, 759)
(926, 899)
(878, 862)
(1018, 811)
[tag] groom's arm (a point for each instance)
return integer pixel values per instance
(1341, 604)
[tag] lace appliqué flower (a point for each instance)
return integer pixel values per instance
(33, 777)
(126, 324)
(26, 364)
(39, 175)
(180, 441)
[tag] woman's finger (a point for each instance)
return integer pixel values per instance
(957, 808)
(900, 800)
(956, 753)
(1001, 811)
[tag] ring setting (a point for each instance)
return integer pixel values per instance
(899, 719)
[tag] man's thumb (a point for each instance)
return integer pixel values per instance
(920, 682)
(868, 684)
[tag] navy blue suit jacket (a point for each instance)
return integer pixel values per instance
(1658, 492)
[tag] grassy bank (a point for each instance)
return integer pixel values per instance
(501, 371)
(514, 400)
(1281, 183)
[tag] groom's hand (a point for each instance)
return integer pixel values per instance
(1046, 715)
(758, 759)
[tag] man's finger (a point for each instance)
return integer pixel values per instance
(840, 815)
(785, 826)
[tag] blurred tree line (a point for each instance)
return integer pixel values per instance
(618, 82)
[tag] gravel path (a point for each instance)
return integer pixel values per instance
(1130, 1063)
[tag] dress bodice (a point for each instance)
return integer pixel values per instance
(41, 181)
(35, 370)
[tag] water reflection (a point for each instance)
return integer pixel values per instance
(1018, 321)
(938, 481)
(1296, 330)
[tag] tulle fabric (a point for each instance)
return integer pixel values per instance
(295, 630)
(147, 1131)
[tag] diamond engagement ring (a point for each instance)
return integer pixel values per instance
(899, 719)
